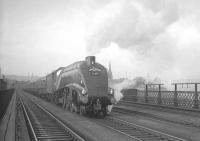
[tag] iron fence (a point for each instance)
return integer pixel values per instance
(182, 99)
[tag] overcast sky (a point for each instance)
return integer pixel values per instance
(156, 38)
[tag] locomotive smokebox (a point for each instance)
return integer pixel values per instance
(90, 60)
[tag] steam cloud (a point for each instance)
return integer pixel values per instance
(161, 36)
(136, 83)
(130, 24)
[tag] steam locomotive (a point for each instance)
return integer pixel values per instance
(81, 87)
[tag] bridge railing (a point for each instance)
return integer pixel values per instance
(182, 99)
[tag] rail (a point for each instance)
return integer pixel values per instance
(135, 131)
(42, 125)
(28, 122)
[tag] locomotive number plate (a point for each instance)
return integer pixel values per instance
(94, 71)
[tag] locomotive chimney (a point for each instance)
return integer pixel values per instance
(90, 60)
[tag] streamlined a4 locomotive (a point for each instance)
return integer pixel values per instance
(81, 87)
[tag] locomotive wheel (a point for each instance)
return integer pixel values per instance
(70, 107)
(67, 101)
(75, 109)
(64, 105)
(82, 110)
(67, 106)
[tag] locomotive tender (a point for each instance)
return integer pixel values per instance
(81, 87)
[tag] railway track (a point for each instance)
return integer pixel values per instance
(182, 111)
(157, 117)
(42, 125)
(136, 132)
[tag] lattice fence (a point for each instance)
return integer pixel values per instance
(199, 99)
(167, 98)
(184, 99)
(152, 97)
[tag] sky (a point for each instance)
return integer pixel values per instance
(150, 38)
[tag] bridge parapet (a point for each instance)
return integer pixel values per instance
(181, 99)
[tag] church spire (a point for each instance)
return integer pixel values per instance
(110, 76)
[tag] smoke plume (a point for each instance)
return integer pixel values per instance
(136, 83)
(130, 24)
(161, 36)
